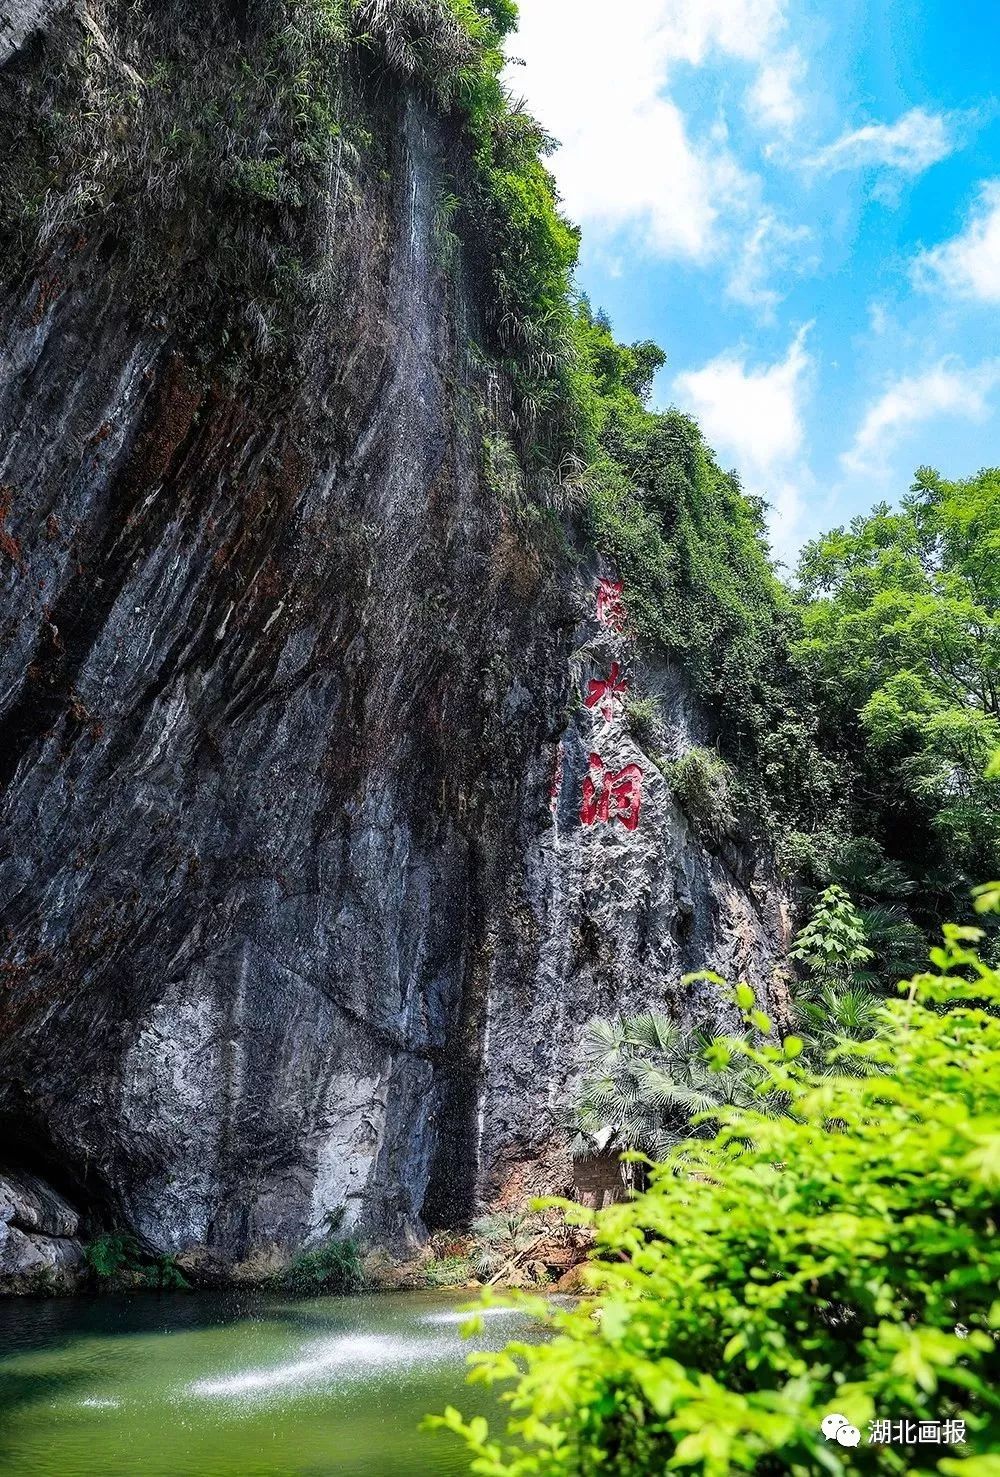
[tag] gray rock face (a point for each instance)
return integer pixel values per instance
(288, 924)
(627, 895)
(19, 19)
(39, 1247)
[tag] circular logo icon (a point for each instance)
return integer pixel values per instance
(838, 1428)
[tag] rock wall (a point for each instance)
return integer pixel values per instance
(289, 922)
(628, 895)
(40, 1250)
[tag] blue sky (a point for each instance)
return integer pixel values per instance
(800, 202)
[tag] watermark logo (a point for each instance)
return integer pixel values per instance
(914, 1433)
(838, 1428)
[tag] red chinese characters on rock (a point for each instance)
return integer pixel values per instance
(611, 610)
(607, 694)
(611, 794)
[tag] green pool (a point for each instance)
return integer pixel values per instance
(235, 1386)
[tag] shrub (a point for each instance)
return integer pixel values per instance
(165, 1275)
(841, 1258)
(115, 1252)
(832, 945)
(701, 782)
(645, 1084)
(335, 1267)
(263, 179)
(501, 1238)
(645, 723)
(118, 1257)
(448, 1271)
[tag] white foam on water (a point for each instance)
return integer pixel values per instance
(473, 1313)
(353, 1356)
(94, 1403)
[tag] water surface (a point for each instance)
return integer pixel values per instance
(236, 1385)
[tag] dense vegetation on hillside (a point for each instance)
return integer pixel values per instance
(858, 704)
(900, 649)
(691, 548)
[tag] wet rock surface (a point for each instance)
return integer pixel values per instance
(40, 1250)
(288, 924)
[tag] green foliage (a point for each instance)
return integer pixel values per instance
(644, 1084)
(840, 1257)
(878, 886)
(832, 944)
(117, 1257)
(115, 1252)
(335, 1267)
(699, 585)
(502, 14)
(446, 209)
(901, 649)
(436, 42)
(501, 1237)
(502, 470)
(328, 19)
(263, 179)
(830, 1015)
(645, 722)
(166, 1275)
(448, 1271)
(703, 785)
(838, 949)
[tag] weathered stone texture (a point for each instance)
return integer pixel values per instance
(287, 925)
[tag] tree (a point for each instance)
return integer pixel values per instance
(644, 1084)
(832, 945)
(840, 1258)
(901, 650)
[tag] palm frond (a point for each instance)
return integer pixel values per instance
(653, 1032)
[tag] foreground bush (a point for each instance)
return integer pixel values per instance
(840, 1259)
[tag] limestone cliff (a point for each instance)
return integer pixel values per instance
(294, 916)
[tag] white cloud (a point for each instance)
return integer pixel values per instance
(755, 416)
(775, 100)
(772, 247)
(947, 389)
(969, 264)
(912, 144)
(879, 319)
(599, 78)
(692, 29)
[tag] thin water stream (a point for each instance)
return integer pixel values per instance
(236, 1386)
